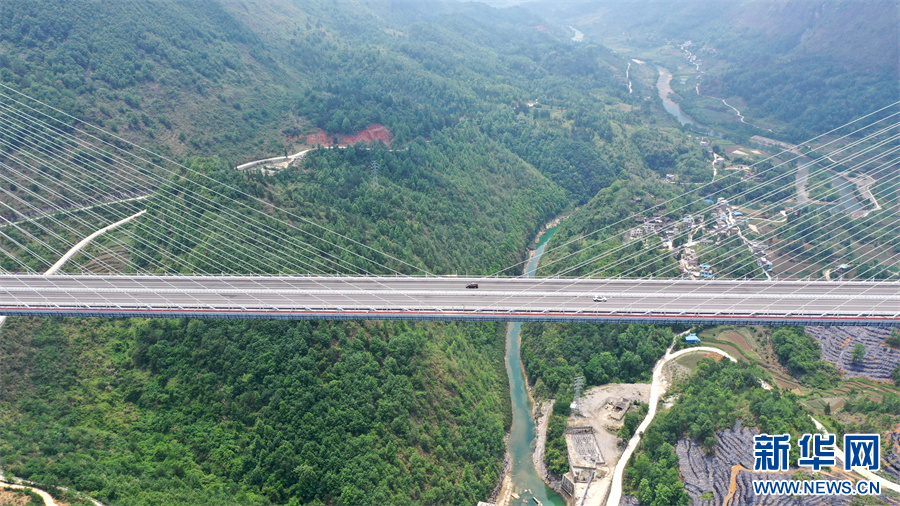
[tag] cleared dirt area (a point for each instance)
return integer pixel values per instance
(13, 498)
(601, 416)
(372, 133)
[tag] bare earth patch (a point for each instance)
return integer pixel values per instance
(372, 133)
(11, 498)
(600, 416)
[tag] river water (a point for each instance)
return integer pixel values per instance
(525, 480)
(664, 88)
(578, 37)
(848, 201)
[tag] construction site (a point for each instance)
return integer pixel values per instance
(591, 438)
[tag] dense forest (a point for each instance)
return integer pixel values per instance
(495, 128)
(255, 412)
(495, 124)
(439, 215)
(554, 354)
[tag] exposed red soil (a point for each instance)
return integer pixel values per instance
(714, 356)
(320, 137)
(372, 133)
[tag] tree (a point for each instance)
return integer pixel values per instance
(858, 354)
(894, 340)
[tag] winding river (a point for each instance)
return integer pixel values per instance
(526, 482)
(664, 88)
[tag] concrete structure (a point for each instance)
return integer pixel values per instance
(446, 298)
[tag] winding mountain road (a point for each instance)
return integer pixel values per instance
(657, 389)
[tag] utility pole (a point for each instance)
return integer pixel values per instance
(576, 402)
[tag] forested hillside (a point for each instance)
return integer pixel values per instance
(554, 354)
(456, 205)
(156, 72)
(803, 67)
(714, 398)
(497, 127)
(252, 412)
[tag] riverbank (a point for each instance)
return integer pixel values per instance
(541, 421)
(501, 493)
(546, 227)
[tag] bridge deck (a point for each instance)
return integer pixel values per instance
(447, 298)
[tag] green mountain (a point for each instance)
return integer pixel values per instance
(495, 127)
(799, 67)
(493, 123)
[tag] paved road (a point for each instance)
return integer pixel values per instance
(508, 299)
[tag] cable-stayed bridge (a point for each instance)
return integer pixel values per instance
(61, 186)
(448, 298)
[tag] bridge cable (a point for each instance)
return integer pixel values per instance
(380, 297)
(588, 275)
(165, 223)
(699, 190)
(200, 175)
(619, 248)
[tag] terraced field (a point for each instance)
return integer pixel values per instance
(728, 474)
(837, 345)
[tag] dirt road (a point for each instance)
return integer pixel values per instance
(657, 389)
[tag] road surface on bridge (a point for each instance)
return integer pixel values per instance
(447, 298)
